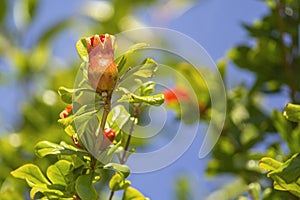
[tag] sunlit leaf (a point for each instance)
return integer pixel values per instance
(57, 172)
(31, 173)
(285, 175)
(292, 112)
(155, 100)
(81, 48)
(147, 88)
(269, 164)
(46, 190)
(123, 169)
(117, 182)
(45, 148)
(131, 193)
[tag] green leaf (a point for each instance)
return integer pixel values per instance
(131, 193)
(149, 66)
(57, 172)
(45, 148)
(70, 131)
(123, 169)
(269, 164)
(117, 182)
(84, 187)
(66, 122)
(286, 175)
(81, 48)
(31, 173)
(121, 61)
(117, 117)
(292, 112)
(146, 88)
(155, 100)
(66, 94)
(46, 190)
(289, 134)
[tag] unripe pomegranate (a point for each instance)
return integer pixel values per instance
(102, 70)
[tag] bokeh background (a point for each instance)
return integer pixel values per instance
(37, 55)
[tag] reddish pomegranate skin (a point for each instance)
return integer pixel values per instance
(102, 70)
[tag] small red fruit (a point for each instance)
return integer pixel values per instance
(66, 112)
(76, 142)
(109, 136)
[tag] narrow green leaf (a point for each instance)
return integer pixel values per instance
(31, 173)
(81, 48)
(70, 131)
(43, 188)
(84, 187)
(146, 88)
(292, 112)
(117, 182)
(149, 66)
(155, 100)
(57, 172)
(131, 193)
(123, 169)
(269, 164)
(45, 148)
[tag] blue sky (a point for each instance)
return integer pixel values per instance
(215, 24)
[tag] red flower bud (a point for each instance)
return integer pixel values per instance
(76, 142)
(66, 112)
(109, 136)
(102, 70)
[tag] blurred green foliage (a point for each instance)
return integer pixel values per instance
(273, 58)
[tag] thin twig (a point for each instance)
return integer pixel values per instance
(137, 111)
(111, 195)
